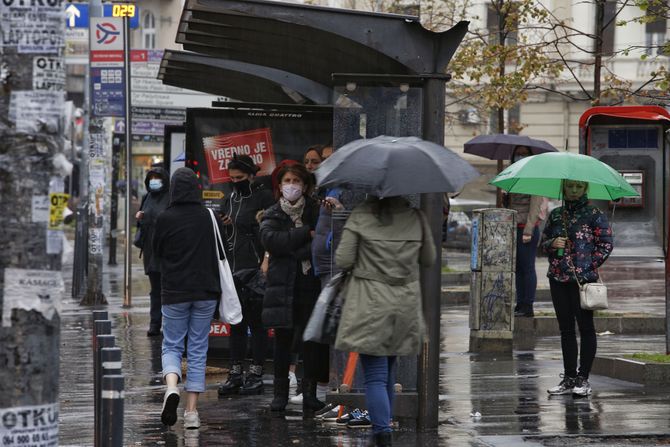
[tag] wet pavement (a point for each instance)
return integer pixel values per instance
(484, 400)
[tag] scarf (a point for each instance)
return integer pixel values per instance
(294, 211)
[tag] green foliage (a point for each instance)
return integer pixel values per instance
(650, 357)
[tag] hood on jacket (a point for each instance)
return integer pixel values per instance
(184, 187)
(162, 173)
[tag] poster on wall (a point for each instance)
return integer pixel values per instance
(213, 136)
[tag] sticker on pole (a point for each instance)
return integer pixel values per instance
(219, 151)
(33, 426)
(37, 290)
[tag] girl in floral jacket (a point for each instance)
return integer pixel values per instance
(578, 240)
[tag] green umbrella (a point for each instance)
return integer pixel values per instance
(542, 175)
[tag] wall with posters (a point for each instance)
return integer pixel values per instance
(267, 136)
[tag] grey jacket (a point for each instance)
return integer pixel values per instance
(382, 314)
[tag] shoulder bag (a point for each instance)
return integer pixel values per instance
(229, 303)
(592, 295)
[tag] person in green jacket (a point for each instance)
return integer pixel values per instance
(383, 244)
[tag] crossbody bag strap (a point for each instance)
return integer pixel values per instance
(217, 235)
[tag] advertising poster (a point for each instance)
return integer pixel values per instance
(213, 136)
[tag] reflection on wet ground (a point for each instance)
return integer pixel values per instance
(485, 400)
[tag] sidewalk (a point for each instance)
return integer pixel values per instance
(508, 391)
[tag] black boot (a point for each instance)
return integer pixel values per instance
(310, 403)
(281, 395)
(382, 439)
(234, 382)
(253, 383)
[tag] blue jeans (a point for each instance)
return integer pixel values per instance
(379, 382)
(526, 277)
(179, 320)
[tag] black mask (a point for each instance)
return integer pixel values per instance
(243, 186)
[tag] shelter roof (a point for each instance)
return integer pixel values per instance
(306, 42)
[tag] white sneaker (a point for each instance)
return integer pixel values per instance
(292, 383)
(296, 400)
(582, 388)
(191, 419)
(565, 386)
(170, 404)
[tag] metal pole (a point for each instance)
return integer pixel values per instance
(112, 411)
(127, 260)
(431, 204)
(103, 341)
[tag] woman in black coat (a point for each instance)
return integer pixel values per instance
(153, 203)
(287, 230)
(245, 253)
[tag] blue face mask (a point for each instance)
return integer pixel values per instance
(155, 184)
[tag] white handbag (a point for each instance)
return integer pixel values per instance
(230, 308)
(592, 295)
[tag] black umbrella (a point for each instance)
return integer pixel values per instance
(500, 146)
(392, 166)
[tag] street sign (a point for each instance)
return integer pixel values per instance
(107, 67)
(76, 15)
(116, 10)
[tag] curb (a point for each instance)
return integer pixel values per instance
(632, 370)
(456, 295)
(626, 325)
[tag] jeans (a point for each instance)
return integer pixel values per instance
(565, 296)
(179, 320)
(251, 318)
(526, 277)
(379, 390)
(155, 300)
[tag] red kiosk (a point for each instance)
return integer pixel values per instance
(634, 140)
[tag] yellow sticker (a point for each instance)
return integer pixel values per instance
(57, 203)
(212, 194)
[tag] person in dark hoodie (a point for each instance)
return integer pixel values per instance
(153, 203)
(186, 246)
(245, 254)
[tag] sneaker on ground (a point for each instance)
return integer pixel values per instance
(581, 388)
(296, 400)
(565, 386)
(344, 420)
(360, 422)
(292, 383)
(170, 404)
(329, 413)
(191, 419)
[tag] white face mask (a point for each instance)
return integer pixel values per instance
(155, 184)
(291, 192)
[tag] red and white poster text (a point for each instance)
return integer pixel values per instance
(219, 150)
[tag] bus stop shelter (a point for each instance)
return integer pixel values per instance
(381, 73)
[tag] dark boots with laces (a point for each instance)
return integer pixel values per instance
(234, 383)
(253, 382)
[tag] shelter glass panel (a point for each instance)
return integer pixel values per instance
(369, 111)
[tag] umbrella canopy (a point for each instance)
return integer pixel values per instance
(391, 166)
(542, 175)
(500, 146)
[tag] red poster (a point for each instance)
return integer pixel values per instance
(219, 150)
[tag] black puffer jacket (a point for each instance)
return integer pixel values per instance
(154, 203)
(242, 241)
(184, 241)
(289, 295)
